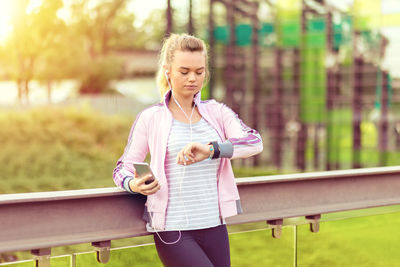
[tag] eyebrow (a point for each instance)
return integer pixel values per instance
(185, 68)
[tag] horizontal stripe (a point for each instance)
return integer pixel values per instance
(177, 169)
(181, 224)
(198, 219)
(196, 227)
(176, 188)
(183, 135)
(191, 186)
(211, 195)
(192, 223)
(199, 209)
(246, 139)
(195, 165)
(199, 174)
(193, 193)
(247, 142)
(188, 201)
(200, 171)
(177, 200)
(184, 204)
(205, 163)
(178, 214)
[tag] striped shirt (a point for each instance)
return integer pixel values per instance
(193, 194)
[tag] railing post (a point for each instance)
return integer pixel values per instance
(102, 250)
(295, 246)
(314, 222)
(41, 257)
(276, 226)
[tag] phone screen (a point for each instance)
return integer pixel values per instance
(143, 169)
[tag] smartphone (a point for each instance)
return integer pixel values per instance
(143, 169)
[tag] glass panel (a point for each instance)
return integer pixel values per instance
(61, 261)
(130, 256)
(363, 241)
(259, 248)
(29, 263)
(58, 261)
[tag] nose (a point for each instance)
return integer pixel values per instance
(192, 77)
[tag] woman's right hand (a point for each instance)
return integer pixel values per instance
(138, 185)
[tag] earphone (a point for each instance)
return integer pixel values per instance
(184, 167)
(166, 77)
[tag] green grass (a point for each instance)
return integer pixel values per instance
(363, 241)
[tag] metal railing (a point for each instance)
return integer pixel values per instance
(40, 221)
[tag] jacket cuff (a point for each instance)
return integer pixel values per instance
(125, 184)
(225, 149)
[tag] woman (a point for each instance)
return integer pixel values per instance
(191, 143)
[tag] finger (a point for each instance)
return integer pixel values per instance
(181, 158)
(189, 152)
(178, 157)
(185, 159)
(148, 176)
(151, 191)
(188, 155)
(141, 181)
(189, 149)
(150, 185)
(148, 182)
(189, 162)
(191, 157)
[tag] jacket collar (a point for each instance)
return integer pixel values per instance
(167, 97)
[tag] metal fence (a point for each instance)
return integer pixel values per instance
(40, 221)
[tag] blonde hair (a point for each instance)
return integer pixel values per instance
(171, 44)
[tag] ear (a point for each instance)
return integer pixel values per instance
(165, 69)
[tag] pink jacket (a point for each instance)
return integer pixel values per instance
(150, 133)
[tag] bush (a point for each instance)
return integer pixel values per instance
(98, 74)
(59, 148)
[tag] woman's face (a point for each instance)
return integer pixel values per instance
(187, 73)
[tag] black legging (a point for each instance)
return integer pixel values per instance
(204, 248)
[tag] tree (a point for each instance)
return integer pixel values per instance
(152, 31)
(99, 27)
(62, 60)
(33, 34)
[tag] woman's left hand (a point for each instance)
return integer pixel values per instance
(192, 153)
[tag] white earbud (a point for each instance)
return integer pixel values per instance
(166, 76)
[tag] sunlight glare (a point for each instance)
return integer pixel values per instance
(33, 4)
(5, 19)
(6, 13)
